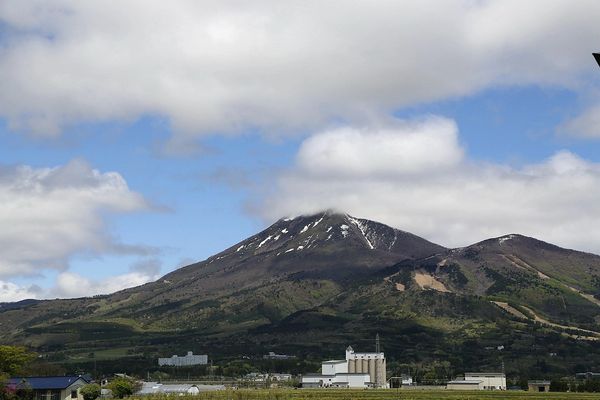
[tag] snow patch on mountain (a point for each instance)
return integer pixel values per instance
(362, 229)
(505, 238)
(344, 228)
(264, 241)
(317, 222)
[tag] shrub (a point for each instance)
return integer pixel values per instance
(90, 391)
(122, 387)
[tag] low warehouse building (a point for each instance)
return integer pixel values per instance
(339, 380)
(463, 384)
(479, 381)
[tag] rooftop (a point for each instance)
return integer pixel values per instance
(484, 374)
(46, 382)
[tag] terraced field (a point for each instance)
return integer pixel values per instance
(392, 394)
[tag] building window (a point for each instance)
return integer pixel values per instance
(73, 394)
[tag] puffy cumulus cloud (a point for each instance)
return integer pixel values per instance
(393, 148)
(444, 198)
(10, 291)
(48, 215)
(223, 66)
(70, 284)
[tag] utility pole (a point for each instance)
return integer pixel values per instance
(377, 347)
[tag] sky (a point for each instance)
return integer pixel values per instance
(140, 136)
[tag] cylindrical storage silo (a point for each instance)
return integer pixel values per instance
(351, 366)
(372, 370)
(365, 366)
(379, 372)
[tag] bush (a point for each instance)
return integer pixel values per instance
(122, 387)
(558, 386)
(90, 391)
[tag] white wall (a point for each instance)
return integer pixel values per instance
(490, 382)
(355, 380)
(332, 369)
(464, 386)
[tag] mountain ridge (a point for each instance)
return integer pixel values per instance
(334, 278)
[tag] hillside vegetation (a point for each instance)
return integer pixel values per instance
(310, 286)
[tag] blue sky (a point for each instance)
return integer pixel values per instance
(215, 142)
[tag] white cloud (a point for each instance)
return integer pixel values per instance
(48, 215)
(586, 124)
(375, 149)
(455, 202)
(10, 291)
(221, 66)
(70, 284)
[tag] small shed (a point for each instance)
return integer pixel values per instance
(538, 386)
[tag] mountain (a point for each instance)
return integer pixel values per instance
(312, 284)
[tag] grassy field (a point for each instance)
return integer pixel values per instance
(391, 394)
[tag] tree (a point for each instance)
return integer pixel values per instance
(24, 391)
(558, 385)
(14, 359)
(122, 387)
(90, 391)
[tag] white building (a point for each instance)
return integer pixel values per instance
(479, 381)
(184, 361)
(358, 370)
(153, 388)
(463, 384)
(370, 363)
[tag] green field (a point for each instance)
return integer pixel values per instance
(342, 394)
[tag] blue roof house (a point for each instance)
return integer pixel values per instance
(50, 387)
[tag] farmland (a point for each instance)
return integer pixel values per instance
(345, 394)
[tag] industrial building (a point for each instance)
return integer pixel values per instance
(184, 361)
(479, 381)
(358, 370)
(370, 363)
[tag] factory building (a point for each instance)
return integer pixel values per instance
(369, 363)
(358, 370)
(184, 361)
(479, 381)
